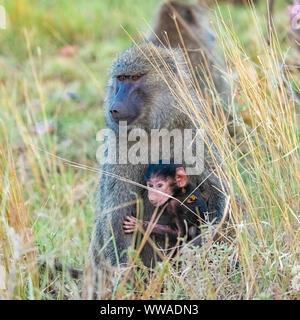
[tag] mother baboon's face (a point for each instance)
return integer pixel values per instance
(138, 83)
(130, 97)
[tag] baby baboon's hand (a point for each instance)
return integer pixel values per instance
(130, 224)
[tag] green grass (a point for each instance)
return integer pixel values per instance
(57, 199)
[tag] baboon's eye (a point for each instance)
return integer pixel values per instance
(159, 185)
(150, 185)
(135, 78)
(121, 78)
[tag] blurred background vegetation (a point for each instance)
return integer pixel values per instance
(54, 62)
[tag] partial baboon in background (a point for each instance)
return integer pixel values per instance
(294, 30)
(186, 25)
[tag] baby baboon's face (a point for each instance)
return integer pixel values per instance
(164, 185)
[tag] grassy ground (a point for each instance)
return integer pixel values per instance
(48, 204)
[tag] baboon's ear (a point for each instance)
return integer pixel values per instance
(183, 10)
(187, 15)
(181, 177)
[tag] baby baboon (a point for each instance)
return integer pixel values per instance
(143, 91)
(182, 220)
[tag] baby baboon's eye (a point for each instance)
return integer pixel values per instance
(121, 78)
(150, 185)
(135, 78)
(159, 185)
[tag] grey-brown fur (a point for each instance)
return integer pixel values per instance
(199, 42)
(163, 110)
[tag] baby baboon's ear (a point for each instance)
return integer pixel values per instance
(181, 177)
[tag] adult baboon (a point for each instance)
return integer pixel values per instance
(151, 87)
(142, 90)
